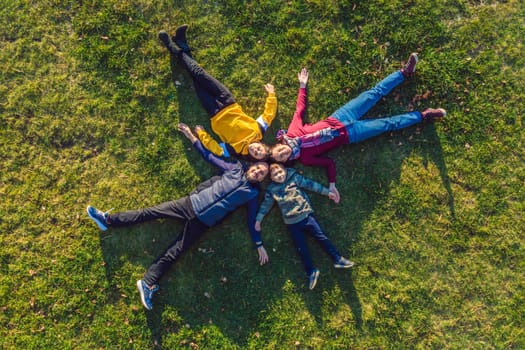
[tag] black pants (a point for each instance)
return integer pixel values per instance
(213, 95)
(178, 209)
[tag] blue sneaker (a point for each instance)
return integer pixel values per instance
(343, 263)
(312, 279)
(146, 293)
(99, 217)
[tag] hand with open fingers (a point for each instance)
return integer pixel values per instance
(186, 131)
(263, 256)
(269, 88)
(303, 77)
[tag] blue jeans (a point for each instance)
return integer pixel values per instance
(351, 113)
(310, 225)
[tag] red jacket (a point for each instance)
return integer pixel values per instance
(313, 156)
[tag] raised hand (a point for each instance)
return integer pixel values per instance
(269, 88)
(303, 77)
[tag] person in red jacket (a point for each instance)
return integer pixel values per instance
(309, 142)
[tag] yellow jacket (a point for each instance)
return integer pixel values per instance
(237, 129)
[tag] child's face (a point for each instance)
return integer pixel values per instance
(278, 173)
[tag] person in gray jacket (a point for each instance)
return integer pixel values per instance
(297, 213)
(203, 208)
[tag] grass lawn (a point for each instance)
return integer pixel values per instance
(432, 216)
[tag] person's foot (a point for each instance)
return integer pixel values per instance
(433, 114)
(170, 45)
(146, 293)
(343, 263)
(99, 217)
(410, 67)
(180, 38)
(312, 279)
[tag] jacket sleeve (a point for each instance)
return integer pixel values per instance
(211, 158)
(322, 162)
(252, 211)
(311, 185)
(300, 110)
(210, 143)
(265, 206)
(270, 109)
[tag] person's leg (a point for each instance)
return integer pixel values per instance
(315, 230)
(213, 95)
(193, 230)
(356, 108)
(365, 129)
(177, 209)
(299, 241)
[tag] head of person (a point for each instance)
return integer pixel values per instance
(278, 172)
(257, 172)
(258, 151)
(280, 153)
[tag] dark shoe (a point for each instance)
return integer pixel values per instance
(343, 263)
(100, 217)
(312, 279)
(433, 114)
(146, 293)
(410, 67)
(170, 45)
(180, 38)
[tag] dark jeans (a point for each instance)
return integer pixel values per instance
(179, 209)
(310, 225)
(213, 95)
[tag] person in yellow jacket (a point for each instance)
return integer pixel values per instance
(240, 134)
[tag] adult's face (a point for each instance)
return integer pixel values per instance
(257, 172)
(281, 153)
(257, 150)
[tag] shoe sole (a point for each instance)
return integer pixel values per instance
(315, 280)
(343, 266)
(141, 292)
(97, 221)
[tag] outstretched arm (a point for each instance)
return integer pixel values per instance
(205, 153)
(314, 186)
(209, 142)
(300, 106)
(270, 107)
(256, 233)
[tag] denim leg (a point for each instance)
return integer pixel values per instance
(365, 129)
(193, 230)
(315, 230)
(300, 245)
(356, 108)
(213, 95)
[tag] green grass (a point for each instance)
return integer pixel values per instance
(432, 217)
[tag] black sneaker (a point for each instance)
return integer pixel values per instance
(180, 38)
(312, 279)
(433, 114)
(343, 263)
(410, 67)
(170, 45)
